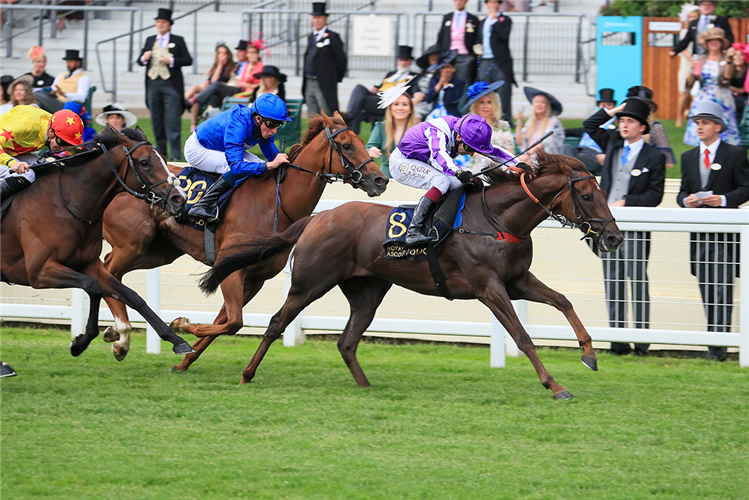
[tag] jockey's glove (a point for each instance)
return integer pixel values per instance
(464, 176)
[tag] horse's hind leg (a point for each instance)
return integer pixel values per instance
(531, 288)
(364, 296)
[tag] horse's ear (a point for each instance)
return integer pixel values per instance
(326, 119)
(339, 116)
(142, 133)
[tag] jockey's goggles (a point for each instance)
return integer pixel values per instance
(468, 148)
(62, 143)
(273, 123)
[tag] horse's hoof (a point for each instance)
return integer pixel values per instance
(178, 324)
(591, 363)
(183, 348)
(80, 344)
(111, 335)
(119, 352)
(565, 394)
(177, 369)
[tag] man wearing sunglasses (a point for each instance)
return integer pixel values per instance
(221, 145)
(26, 129)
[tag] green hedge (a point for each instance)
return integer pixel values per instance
(668, 8)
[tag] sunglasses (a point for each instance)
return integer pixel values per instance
(273, 123)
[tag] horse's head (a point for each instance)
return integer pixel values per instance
(151, 178)
(348, 157)
(583, 202)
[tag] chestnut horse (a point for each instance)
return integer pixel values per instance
(52, 232)
(143, 240)
(343, 247)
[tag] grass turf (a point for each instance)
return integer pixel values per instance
(437, 423)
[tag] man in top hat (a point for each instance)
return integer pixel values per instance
(715, 174)
(364, 101)
(587, 150)
(633, 174)
(420, 84)
(706, 21)
(215, 93)
(69, 86)
(496, 61)
(460, 32)
(163, 55)
(324, 64)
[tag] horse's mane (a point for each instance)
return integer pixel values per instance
(544, 164)
(108, 137)
(315, 125)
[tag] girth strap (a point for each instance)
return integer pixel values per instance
(437, 275)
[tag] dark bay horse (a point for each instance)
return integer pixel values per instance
(52, 232)
(343, 247)
(141, 239)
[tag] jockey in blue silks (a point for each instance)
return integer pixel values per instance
(221, 145)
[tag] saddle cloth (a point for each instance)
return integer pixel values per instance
(447, 216)
(195, 183)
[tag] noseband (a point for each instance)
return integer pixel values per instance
(356, 176)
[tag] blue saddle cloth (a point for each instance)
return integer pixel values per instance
(195, 183)
(448, 216)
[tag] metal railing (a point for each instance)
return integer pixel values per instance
(8, 34)
(285, 32)
(131, 58)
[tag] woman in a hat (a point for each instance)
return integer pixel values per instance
(22, 92)
(38, 71)
(715, 73)
(400, 116)
(483, 100)
(116, 116)
(445, 89)
(272, 81)
(546, 108)
(420, 84)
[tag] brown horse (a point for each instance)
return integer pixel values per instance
(344, 247)
(52, 232)
(143, 240)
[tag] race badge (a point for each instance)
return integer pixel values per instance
(716, 166)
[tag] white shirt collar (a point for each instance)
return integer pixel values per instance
(68, 75)
(318, 33)
(165, 36)
(635, 147)
(713, 148)
(459, 13)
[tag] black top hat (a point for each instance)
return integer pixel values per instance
(644, 93)
(269, 70)
(72, 55)
(318, 9)
(638, 109)
(556, 106)
(447, 57)
(165, 14)
(606, 95)
(242, 45)
(6, 79)
(423, 61)
(404, 52)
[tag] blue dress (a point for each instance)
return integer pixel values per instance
(712, 91)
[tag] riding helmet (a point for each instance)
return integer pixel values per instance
(272, 107)
(68, 126)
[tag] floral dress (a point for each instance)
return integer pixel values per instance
(714, 89)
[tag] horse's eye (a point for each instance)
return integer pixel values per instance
(144, 162)
(347, 146)
(587, 197)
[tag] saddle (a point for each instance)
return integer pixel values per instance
(196, 182)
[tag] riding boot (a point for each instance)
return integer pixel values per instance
(416, 234)
(207, 207)
(6, 370)
(11, 185)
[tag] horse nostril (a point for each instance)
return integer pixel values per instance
(382, 181)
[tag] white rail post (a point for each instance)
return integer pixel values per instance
(293, 334)
(153, 285)
(497, 344)
(79, 306)
(521, 310)
(744, 291)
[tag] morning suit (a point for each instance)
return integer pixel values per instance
(699, 26)
(164, 97)
(499, 65)
(324, 66)
(644, 181)
(714, 256)
(465, 66)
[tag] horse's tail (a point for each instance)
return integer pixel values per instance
(252, 252)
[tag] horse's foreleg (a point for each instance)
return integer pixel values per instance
(232, 289)
(531, 288)
(364, 296)
(498, 301)
(113, 288)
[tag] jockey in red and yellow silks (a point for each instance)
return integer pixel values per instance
(25, 129)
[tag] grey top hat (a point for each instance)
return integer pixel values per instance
(712, 111)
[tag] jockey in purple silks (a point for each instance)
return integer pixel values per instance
(424, 159)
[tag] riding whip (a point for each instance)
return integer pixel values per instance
(278, 190)
(489, 169)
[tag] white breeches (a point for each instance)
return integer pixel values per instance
(7, 172)
(420, 175)
(208, 160)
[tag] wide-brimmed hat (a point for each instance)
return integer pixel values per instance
(116, 109)
(479, 90)
(556, 106)
(164, 14)
(447, 57)
(423, 60)
(72, 55)
(638, 109)
(606, 95)
(714, 34)
(712, 111)
(242, 45)
(318, 9)
(404, 52)
(269, 70)
(27, 80)
(643, 93)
